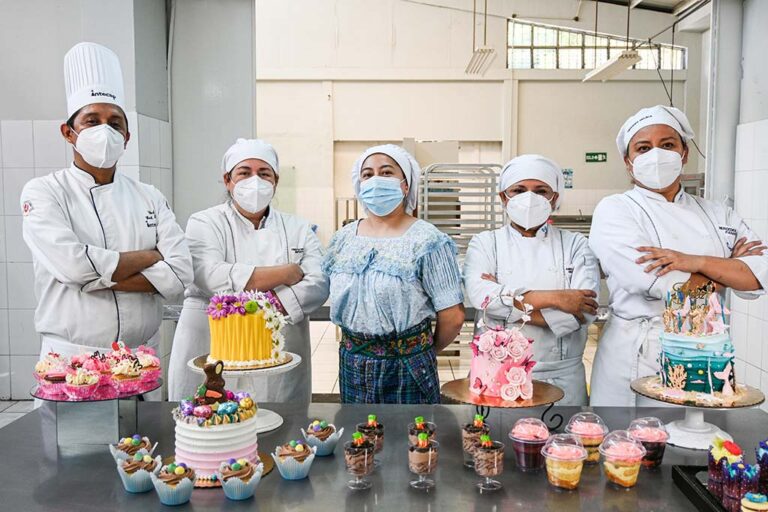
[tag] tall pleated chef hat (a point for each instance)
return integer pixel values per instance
(659, 114)
(92, 74)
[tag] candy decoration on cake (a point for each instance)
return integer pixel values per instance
(502, 359)
(246, 330)
(696, 350)
(211, 427)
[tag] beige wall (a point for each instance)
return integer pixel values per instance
(334, 76)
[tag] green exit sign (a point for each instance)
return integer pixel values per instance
(597, 157)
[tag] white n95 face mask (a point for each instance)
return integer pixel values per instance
(101, 146)
(657, 168)
(529, 210)
(253, 194)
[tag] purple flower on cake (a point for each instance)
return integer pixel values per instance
(237, 307)
(217, 308)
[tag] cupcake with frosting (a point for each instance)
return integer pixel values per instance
(150, 364)
(322, 435)
(126, 374)
(174, 483)
(134, 472)
(81, 383)
(95, 362)
(754, 502)
(761, 456)
(50, 362)
(127, 447)
(239, 478)
(294, 459)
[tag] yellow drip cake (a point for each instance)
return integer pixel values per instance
(246, 330)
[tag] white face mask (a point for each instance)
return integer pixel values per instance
(657, 168)
(253, 194)
(529, 210)
(101, 146)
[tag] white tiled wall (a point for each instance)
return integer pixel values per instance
(35, 148)
(749, 320)
(583, 201)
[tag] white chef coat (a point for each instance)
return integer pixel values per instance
(76, 230)
(554, 259)
(225, 250)
(629, 346)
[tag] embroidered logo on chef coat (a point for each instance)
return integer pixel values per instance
(730, 236)
(151, 218)
(297, 250)
(26, 207)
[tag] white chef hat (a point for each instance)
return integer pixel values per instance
(92, 74)
(659, 114)
(533, 167)
(243, 149)
(404, 159)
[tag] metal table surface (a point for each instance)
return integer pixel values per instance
(36, 475)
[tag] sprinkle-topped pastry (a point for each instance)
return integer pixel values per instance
(294, 449)
(320, 429)
(137, 462)
(240, 468)
(173, 474)
(754, 502)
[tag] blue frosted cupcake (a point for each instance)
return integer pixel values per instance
(127, 447)
(294, 459)
(135, 472)
(174, 483)
(323, 436)
(239, 478)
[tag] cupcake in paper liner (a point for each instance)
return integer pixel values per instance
(294, 459)
(134, 472)
(323, 436)
(239, 478)
(174, 483)
(129, 446)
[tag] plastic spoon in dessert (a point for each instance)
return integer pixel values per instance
(153, 448)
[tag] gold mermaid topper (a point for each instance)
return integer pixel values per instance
(694, 311)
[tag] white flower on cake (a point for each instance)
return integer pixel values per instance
(499, 353)
(516, 375)
(485, 344)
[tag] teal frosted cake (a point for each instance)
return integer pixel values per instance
(696, 349)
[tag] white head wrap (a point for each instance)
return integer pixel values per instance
(659, 114)
(533, 167)
(92, 74)
(243, 149)
(407, 163)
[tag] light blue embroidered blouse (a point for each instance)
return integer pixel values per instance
(386, 285)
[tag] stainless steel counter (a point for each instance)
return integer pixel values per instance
(35, 475)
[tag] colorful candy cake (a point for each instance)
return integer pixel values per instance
(502, 361)
(214, 426)
(246, 330)
(696, 349)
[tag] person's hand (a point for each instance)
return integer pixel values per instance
(293, 274)
(576, 302)
(744, 248)
(665, 261)
(489, 277)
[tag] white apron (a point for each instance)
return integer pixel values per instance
(262, 247)
(558, 359)
(629, 348)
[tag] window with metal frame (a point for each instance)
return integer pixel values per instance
(538, 46)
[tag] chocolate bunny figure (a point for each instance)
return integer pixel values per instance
(212, 389)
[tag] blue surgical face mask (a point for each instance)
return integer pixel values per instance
(381, 195)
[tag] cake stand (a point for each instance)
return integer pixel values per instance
(105, 416)
(543, 394)
(266, 420)
(692, 431)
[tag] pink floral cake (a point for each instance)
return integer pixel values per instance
(502, 362)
